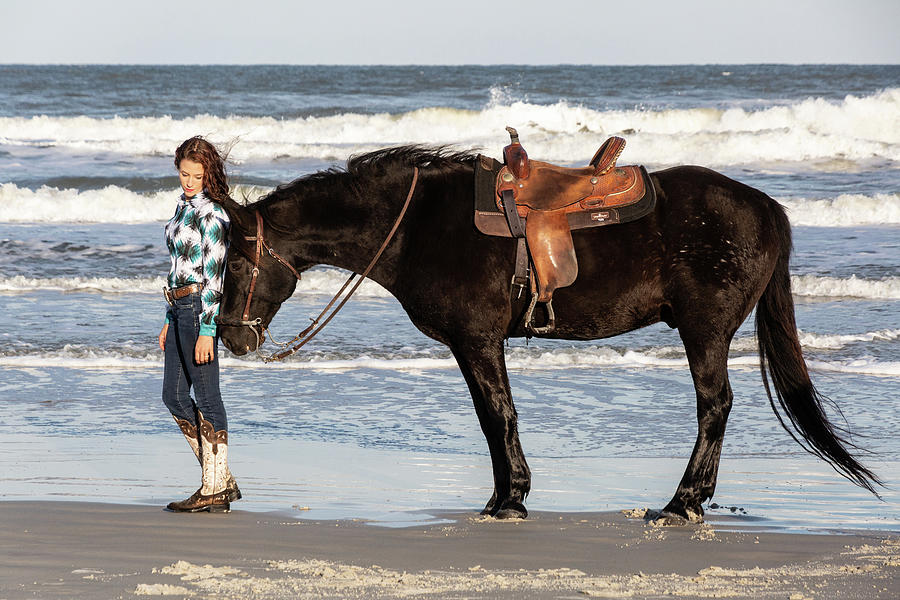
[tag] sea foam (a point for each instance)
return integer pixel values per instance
(812, 130)
(846, 210)
(314, 282)
(887, 288)
(327, 281)
(113, 204)
(518, 359)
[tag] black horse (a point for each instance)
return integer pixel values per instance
(712, 249)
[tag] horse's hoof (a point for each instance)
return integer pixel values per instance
(491, 507)
(513, 510)
(677, 509)
(665, 518)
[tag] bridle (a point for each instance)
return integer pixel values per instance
(314, 328)
(261, 244)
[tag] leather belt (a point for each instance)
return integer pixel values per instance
(173, 294)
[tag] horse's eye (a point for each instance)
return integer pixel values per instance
(234, 266)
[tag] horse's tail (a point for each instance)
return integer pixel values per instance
(781, 356)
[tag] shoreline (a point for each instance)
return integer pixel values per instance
(336, 481)
(64, 549)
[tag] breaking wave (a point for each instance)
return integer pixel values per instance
(847, 210)
(315, 282)
(328, 281)
(887, 288)
(113, 204)
(518, 359)
(813, 130)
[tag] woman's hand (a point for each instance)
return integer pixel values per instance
(203, 349)
(162, 337)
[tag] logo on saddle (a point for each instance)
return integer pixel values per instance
(542, 203)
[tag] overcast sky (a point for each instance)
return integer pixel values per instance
(450, 32)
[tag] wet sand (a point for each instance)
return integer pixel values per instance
(103, 551)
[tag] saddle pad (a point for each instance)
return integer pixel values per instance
(490, 220)
(486, 171)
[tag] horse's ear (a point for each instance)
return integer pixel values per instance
(237, 214)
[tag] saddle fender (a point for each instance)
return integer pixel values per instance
(552, 251)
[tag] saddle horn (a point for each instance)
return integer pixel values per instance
(515, 156)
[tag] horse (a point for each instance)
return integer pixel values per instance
(711, 250)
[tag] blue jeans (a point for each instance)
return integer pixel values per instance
(182, 373)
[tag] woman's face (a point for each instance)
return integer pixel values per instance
(191, 175)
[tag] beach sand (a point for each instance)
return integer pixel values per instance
(103, 551)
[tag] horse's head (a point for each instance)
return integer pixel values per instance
(258, 279)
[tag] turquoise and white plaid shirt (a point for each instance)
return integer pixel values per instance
(197, 237)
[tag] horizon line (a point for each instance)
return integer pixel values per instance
(325, 64)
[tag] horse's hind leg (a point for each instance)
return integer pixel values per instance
(708, 358)
(484, 367)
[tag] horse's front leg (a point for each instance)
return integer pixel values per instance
(484, 367)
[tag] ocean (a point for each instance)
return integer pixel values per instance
(373, 419)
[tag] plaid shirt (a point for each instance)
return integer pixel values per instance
(197, 238)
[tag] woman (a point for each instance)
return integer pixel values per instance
(197, 240)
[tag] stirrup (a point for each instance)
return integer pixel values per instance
(529, 317)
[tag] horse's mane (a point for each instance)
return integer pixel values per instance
(433, 157)
(379, 163)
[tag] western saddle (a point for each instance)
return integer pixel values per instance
(540, 204)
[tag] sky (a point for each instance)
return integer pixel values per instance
(449, 32)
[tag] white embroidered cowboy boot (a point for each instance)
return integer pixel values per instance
(193, 440)
(213, 494)
(190, 434)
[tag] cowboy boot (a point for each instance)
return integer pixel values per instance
(212, 495)
(193, 440)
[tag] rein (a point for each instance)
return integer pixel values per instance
(314, 328)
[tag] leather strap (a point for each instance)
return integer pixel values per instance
(517, 228)
(520, 277)
(173, 294)
(512, 214)
(260, 245)
(310, 332)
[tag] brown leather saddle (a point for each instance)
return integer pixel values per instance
(541, 203)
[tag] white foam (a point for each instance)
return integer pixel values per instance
(887, 288)
(854, 129)
(861, 366)
(114, 204)
(329, 281)
(836, 342)
(517, 359)
(844, 211)
(326, 281)
(111, 204)
(111, 285)
(314, 282)
(819, 341)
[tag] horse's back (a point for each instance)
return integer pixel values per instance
(707, 250)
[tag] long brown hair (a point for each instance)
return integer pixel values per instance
(201, 151)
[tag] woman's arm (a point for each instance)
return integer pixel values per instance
(162, 336)
(214, 228)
